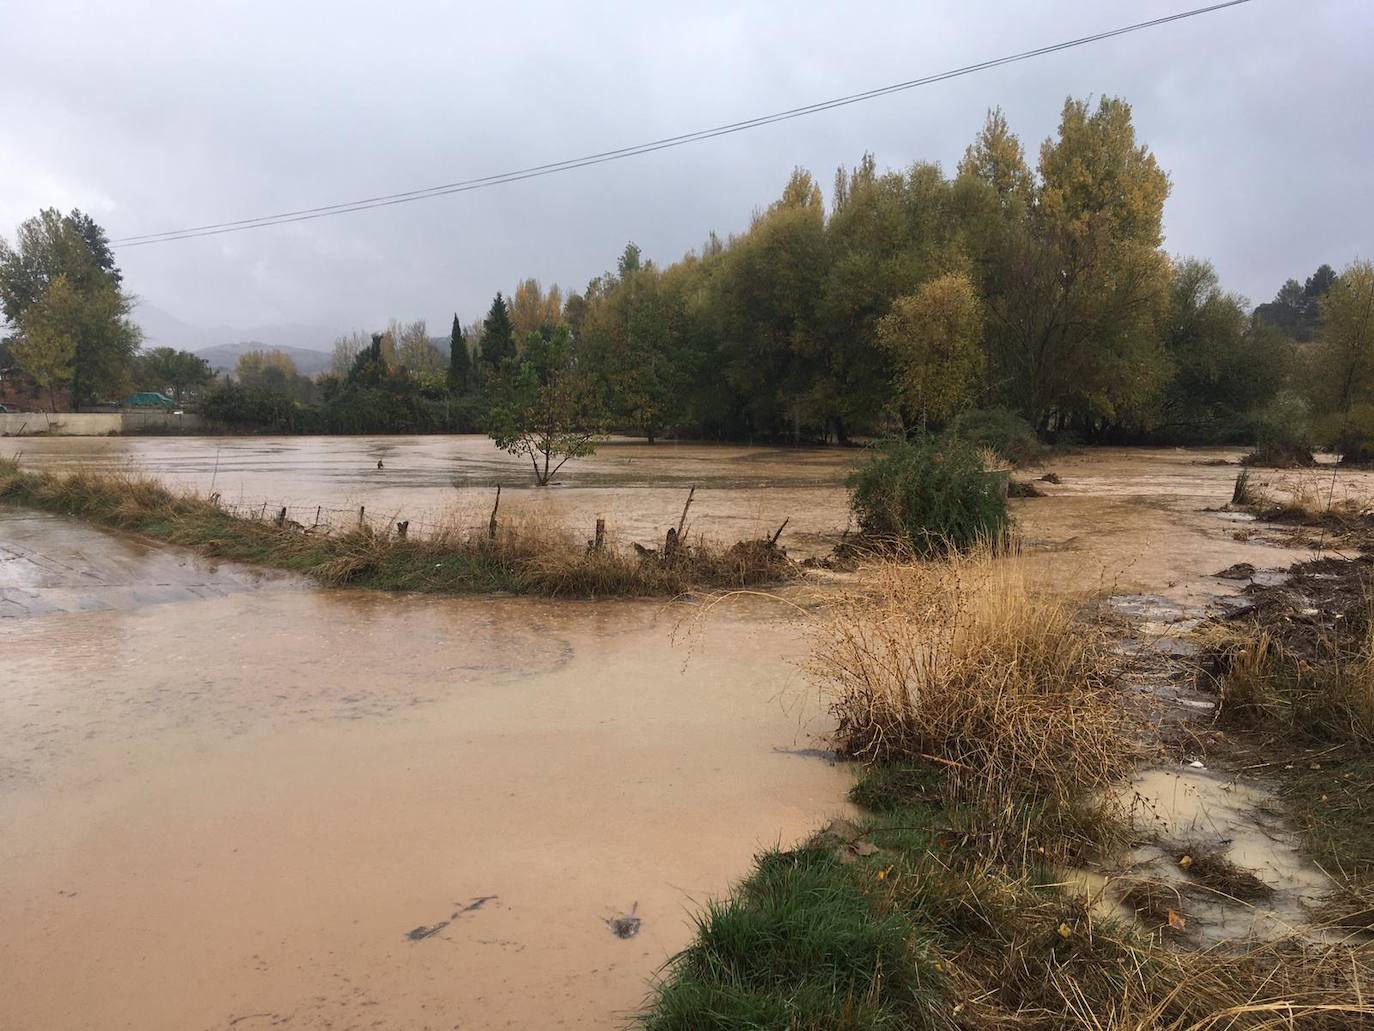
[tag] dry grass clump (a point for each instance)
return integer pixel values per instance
(1211, 866)
(959, 662)
(522, 557)
(1326, 695)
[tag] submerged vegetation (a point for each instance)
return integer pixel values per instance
(525, 559)
(990, 721)
(929, 495)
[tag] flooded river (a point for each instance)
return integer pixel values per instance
(231, 799)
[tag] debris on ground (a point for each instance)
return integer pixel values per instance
(626, 925)
(1023, 489)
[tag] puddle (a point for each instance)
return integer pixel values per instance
(1196, 810)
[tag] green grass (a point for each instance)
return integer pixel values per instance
(456, 560)
(801, 944)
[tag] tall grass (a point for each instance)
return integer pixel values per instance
(1325, 695)
(522, 557)
(962, 664)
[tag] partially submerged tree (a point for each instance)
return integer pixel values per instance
(543, 408)
(1343, 372)
(264, 367)
(498, 335)
(91, 307)
(415, 352)
(459, 360)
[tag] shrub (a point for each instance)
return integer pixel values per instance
(1283, 434)
(929, 495)
(1003, 431)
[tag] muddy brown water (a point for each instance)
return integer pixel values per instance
(229, 799)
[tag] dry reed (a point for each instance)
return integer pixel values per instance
(959, 662)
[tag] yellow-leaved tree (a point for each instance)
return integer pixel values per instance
(934, 338)
(46, 346)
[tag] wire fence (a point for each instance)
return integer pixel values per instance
(330, 519)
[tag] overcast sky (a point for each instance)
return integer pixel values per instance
(155, 115)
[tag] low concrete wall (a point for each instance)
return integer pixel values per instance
(163, 422)
(96, 424)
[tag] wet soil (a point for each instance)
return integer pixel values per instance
(230, 800)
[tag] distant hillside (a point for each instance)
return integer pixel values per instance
(223, 357)
(163, 329)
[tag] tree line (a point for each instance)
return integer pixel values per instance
(911, 300)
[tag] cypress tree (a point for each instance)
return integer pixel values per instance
(459, 361)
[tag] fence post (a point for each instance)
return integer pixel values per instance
(361, 510)
(281, 517)
(600, 541)
(402, 528)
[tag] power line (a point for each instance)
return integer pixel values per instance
(537, 171)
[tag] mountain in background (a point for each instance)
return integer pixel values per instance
(163, 329)
(224, 357)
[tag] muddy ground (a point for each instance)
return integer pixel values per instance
(235, 800)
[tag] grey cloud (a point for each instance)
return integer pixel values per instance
(156, 115)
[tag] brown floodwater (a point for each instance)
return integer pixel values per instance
(231, 799)
(248, 809)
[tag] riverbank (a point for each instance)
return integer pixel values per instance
(450, 558)
(1005, 877)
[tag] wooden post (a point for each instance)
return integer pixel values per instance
(682, 522)
(773, 541)
(263, 514)
(600, 541)
(491, 523)
(281, 517)
(402, 527)
(361, 510)
(317, 514)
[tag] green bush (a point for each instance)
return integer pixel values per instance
(1283, 434)
(1002, 431)
(930, 495)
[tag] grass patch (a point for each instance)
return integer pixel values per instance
(960, 665)
(988, 720)
(522, 559)
(1297, 668)
(926, 931)
(1332, 801)
(800, 944)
